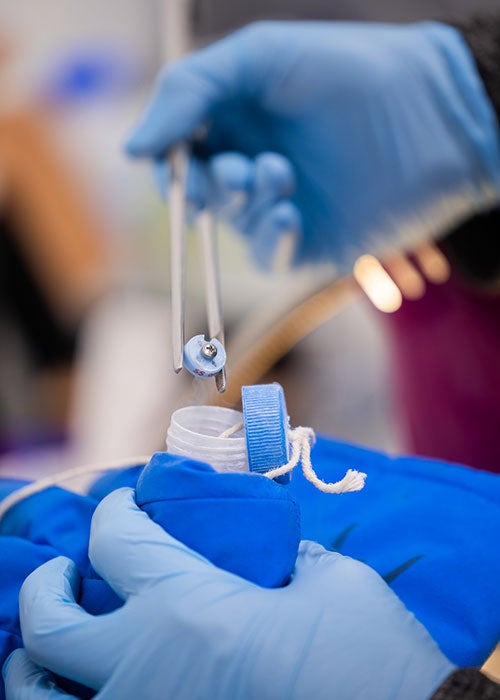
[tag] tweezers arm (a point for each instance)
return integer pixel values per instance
(208, 240)
(178, 161)
(206, 230)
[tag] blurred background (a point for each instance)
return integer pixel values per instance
(85, 366)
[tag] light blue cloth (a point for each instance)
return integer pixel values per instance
(189, 630)
(354, 136)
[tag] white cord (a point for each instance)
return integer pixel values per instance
(56, 479)
(232, 430)
(301, 440)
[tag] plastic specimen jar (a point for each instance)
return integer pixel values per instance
(195, 431)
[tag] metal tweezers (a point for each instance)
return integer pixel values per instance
(205, 225)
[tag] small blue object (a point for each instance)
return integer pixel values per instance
(266, 427)
(90, 72)
(204, 358)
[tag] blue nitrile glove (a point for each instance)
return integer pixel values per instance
(191, 630)
(381, 134)
(18, 558)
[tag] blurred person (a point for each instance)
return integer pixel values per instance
(351, 170)
(355, 138)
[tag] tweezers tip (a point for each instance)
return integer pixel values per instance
(220, 381)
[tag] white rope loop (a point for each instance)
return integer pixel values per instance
(59, 478)
(302, 439)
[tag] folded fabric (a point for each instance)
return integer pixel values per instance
(57, 518)
(244, 523)
(114, 480)
(37, 529)
(18, 557)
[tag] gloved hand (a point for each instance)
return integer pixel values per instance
(191, 630)
(355, 136)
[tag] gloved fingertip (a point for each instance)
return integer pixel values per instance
(230, 179)
(137, 143)
(16, 670)
(121, 499)
(19, 668)
(310, 556)
(276, 239)
(116, 517)
(231, 171)
(71, 579)
(274, 174)
(59, 576)
(10, 662)
(286, 217)
(313, 549)
(25, 679)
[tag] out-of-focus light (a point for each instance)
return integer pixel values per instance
(407, 278)
(433, 263)
(377, 284)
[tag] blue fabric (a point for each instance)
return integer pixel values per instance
(57, 518)
(7, 486)
(114, 480)
(428, 527)
(18, 558)
(37, 529)
(233, 519)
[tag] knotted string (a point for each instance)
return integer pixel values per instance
(301, 440)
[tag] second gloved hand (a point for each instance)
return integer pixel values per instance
(356, 137)
(190, 630)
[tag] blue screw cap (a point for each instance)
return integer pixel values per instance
(266, 427)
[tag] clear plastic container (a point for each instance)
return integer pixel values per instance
(195, 432)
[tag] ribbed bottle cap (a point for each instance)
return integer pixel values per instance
(266, 426)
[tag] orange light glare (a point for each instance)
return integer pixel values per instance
(407, 278)
(433, 263)
(377, 284)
